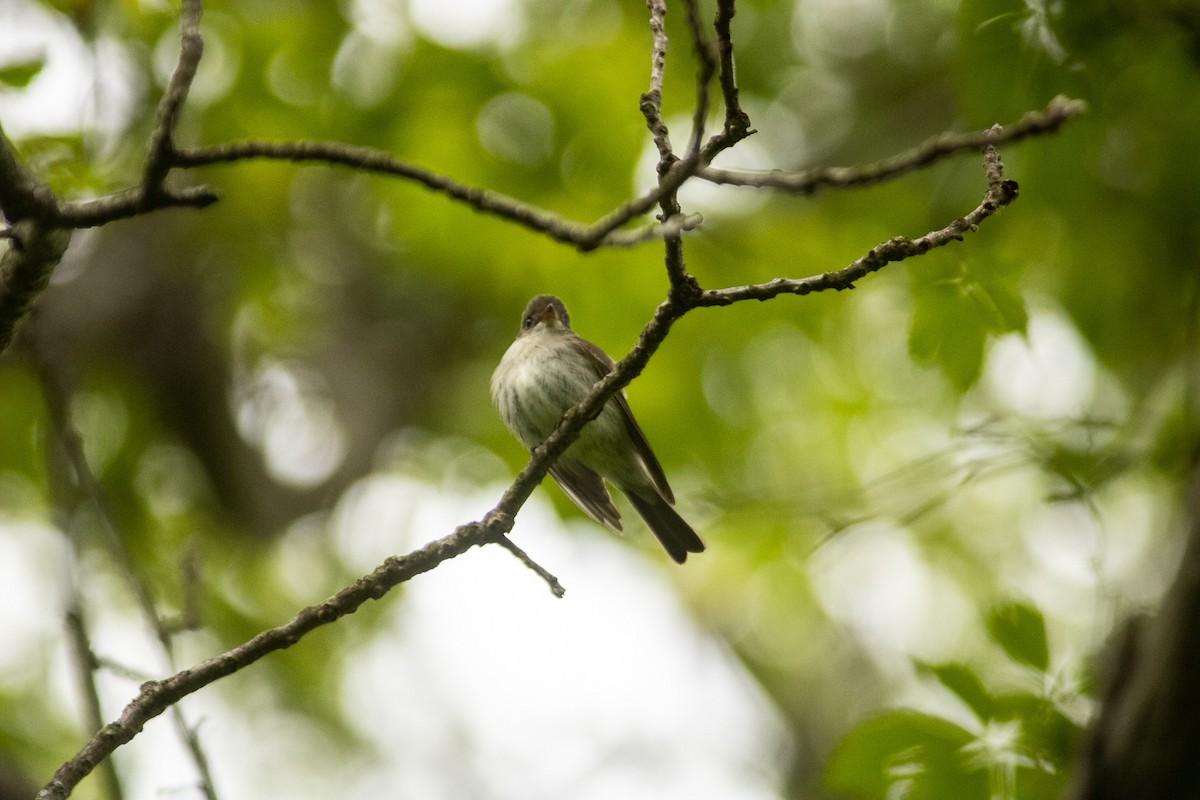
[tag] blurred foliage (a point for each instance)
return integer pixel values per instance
(877, 473)
(1013, 744)
(18, 74)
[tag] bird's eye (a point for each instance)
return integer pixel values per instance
(527, 322)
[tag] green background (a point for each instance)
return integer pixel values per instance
(927, 501)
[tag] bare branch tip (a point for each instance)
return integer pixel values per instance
(556, 588)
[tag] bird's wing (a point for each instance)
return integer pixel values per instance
(602, 365)
(586, 489)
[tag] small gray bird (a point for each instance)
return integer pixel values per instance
(550, 368)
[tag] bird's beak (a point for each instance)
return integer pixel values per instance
(550, 315)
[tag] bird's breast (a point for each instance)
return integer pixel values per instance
(537, 380)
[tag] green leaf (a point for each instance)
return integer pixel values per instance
(1000, 307)
(955, 309)
(947, 333)
(1021, 630)
(1010, 306)
(1046, 731)
(904, 753)
(19, 74)
(965, 684)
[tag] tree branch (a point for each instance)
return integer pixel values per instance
(556, 588)
(735, 118)
(86, 665)
(998, 195)
(127, 203)
(38, 219)
(152, 194)
(585, 237)
(651, 106)
(33, 252)
(651, 101)
(22, 194)
(170, 107)
(34, 247)
(705, 71)
(1057, 112)
(64, 492)
(157, 696)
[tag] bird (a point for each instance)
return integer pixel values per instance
(548, 369)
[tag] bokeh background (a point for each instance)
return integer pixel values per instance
(928, 502)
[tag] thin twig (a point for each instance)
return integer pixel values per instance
(735, 118)
(556, 588)
(190, 589)
(122, 670)
(705, 71)
(997, 196)
(1057, 112)
(600, 231)
(86, 665)
(57, 398)
(155, 697)
(651, 101)
(586, 237)
(126, 203)
(170, 107)
(993, 165)
(651, 107)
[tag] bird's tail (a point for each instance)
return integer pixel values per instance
(676, 536)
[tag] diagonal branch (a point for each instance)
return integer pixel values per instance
(556, 588)
(155, 697)
(999, 194)
(585, 237)
(1057, 112)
